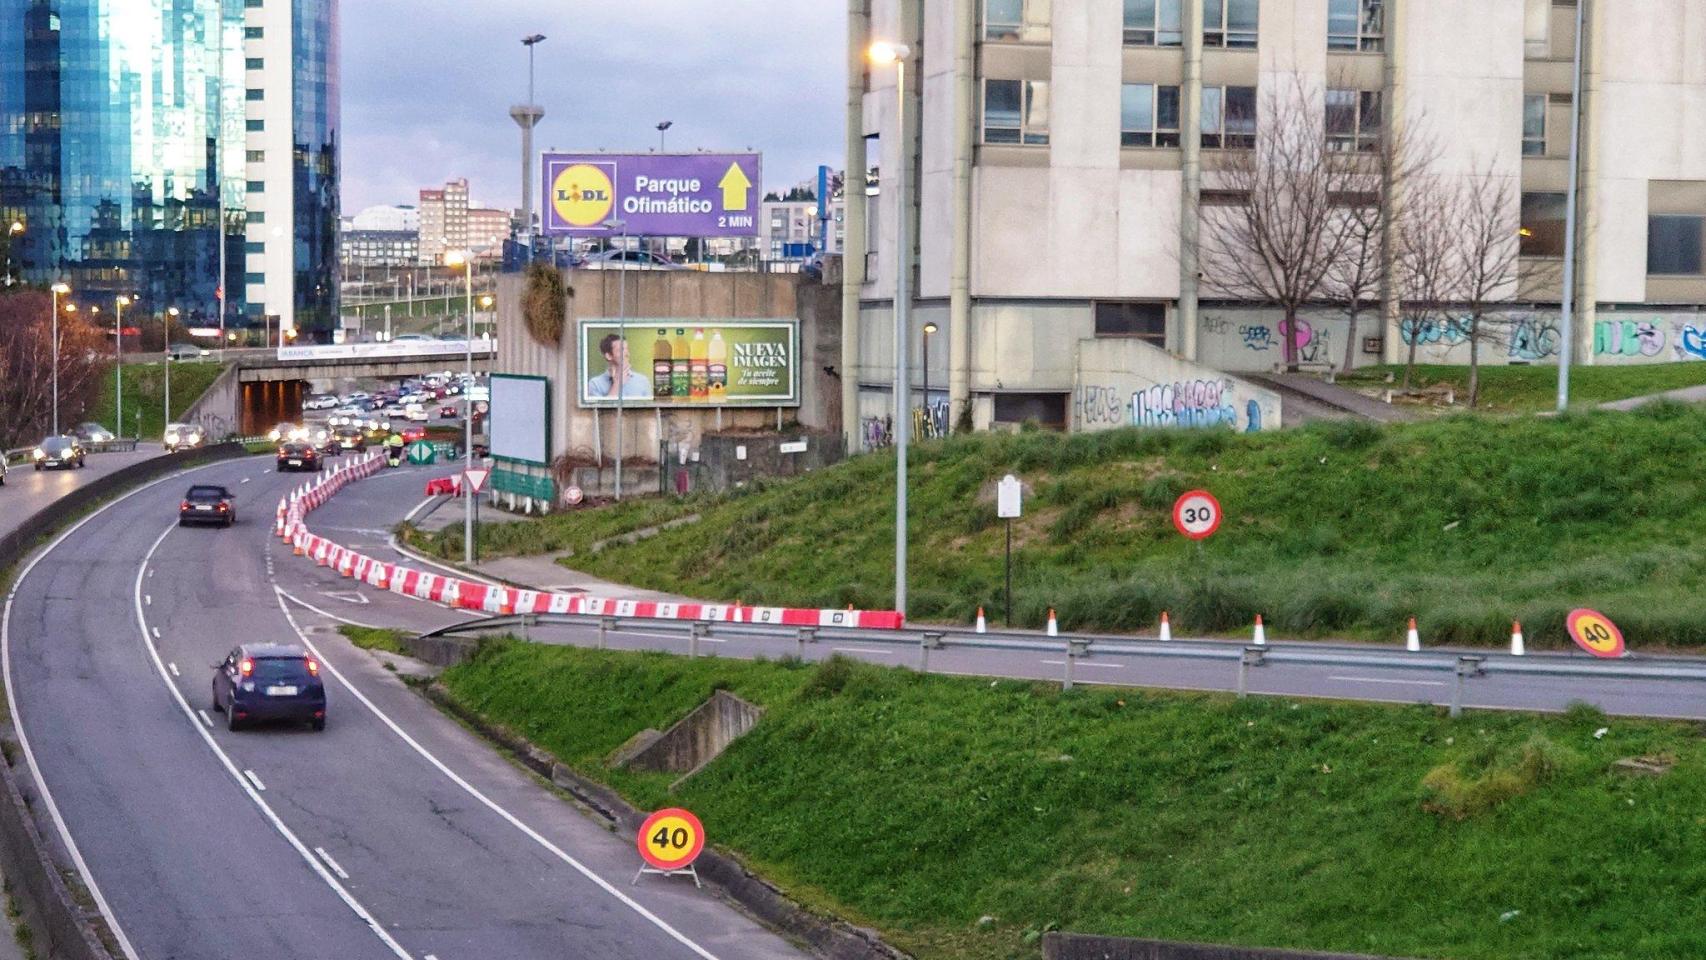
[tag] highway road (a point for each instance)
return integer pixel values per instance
(28, 490)
(395, 833)
(361, 516)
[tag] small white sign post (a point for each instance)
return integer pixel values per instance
(1009, 506)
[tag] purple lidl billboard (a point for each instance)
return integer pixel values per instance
(655, 195)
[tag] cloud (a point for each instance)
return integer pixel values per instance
(427, 86)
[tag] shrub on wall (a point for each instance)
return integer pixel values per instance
(544, 307)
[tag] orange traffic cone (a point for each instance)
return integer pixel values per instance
(1516, 639)
(1261, 635)
(982, 624)
(1412, 639)
(1166, 628)
(1053, 626)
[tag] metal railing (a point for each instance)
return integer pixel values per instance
(1464, 665)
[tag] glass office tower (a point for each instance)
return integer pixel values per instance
(125, 145)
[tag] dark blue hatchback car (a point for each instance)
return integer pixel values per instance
(259, 682)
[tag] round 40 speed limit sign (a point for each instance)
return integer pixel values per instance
(1594, 632)
(671, 839)
(1197, 514)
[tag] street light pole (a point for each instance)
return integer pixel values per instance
(58, 290)
(898, 54)
(119, 303)
(663, 126)
(930, 422)
(1566, 339)
(170, 313)
(15, 230)
(466, 259)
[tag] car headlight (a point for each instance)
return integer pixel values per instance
(41, 454)
(171, 438)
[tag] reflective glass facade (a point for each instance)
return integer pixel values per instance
(314, 165)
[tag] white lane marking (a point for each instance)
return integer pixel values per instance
(335, 868)
(149, 599)
(405, 552)
(156, 632)
(254, 779)
(174, 668)
(484, 800)
(1087, 663)
(1417, 683)
(864, 650)
(59, 824)
(410, 516)
(244, 480)
(205, 718)
(327, 615)
(250, 788)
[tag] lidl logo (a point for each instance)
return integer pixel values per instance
(584, 193)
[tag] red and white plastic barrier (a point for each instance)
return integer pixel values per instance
(495, 599)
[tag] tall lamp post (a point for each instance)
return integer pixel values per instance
(882, 53)
(465, 259)
(167, 408)
(57, 290)
(663, 125)
(930, 421)
(119, 303)
(486, 303)
(621, 385)
(1566, 340)
(13, 231)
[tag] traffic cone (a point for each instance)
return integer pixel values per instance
(982, 625)
(1516, 639)
(1166, 628)
(1412, 639)
(1261, 635)
(1053, 627)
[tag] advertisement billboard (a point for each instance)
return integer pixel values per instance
(519, 425)
(657, 195)
(670, 362)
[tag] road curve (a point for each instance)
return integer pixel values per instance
(392, 834)
(28, 491)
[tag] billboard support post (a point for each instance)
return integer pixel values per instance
(622, 328)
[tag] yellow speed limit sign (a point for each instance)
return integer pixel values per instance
(1594, 632)
(671, 839)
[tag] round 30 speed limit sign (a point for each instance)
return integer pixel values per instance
(671, 839)
(1197, 514)
(1594, 632)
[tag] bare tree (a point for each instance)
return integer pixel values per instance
(1425, 263)
(1484, 260)
(1272, 235)
(26, 367)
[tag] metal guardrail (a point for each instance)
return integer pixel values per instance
(1463, 665)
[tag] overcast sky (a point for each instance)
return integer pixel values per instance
(427, 86)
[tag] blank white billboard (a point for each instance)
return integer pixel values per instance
(519, 424)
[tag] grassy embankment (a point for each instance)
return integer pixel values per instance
(1339, 529)
(145, 391)
(1535, 389)
(921, 804)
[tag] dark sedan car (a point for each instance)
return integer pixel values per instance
(298, 455)
(59, 452)
(205, 503)
(257, 682)
(351, 439)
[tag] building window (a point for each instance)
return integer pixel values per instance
(1537, 29)
(256, 95)
(1353, 120)
(1137, 114)
(1674, 245)
(256, 156)
(1229, 117)
(257, 186)
(1542, 232)
(1047, 409)
(254, 63)
(255, 246)
(1154, 23)
(252, 4)
(1534, 125)
(1229, 23)
(253, 33)
(1024, 21)
(1145, 321)
(1356, 25)
(254, 126)
(257, 216)
(254, 279)
(1015, 111)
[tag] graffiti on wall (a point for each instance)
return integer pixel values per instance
(1628, 338)
(1444, 331)
(1533, 338)
(1690, 342)
(1099, 407)
(930, 421)
(1190, 404)
(878, 432)
(1257, 336)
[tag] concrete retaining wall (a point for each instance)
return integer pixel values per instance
(1077, 946)
(699, 737)
(63, 929)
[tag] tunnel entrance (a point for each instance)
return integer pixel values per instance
(266, 403)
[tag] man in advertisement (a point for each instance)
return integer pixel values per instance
(618, 370)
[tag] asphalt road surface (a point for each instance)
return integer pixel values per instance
(362, 514)
(28, 490)
(394, 833)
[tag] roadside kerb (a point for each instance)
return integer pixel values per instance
(64, 927)
(1079, 946)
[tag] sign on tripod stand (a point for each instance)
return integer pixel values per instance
(669, 841)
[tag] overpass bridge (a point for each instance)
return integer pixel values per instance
(264, 387)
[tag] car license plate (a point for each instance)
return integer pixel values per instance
(203, 506)
(296, 463)
(285, 691)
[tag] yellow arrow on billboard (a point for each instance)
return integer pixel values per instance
(734, 186)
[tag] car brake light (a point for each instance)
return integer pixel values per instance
(246, 667)
(313, 667)
(184, 506)
(224, 506)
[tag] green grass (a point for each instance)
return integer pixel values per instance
(919, 804)
(145, 390)
(375, 638)
(1337, 529)
(1535, 389)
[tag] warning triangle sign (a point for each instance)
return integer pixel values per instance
(477, 478)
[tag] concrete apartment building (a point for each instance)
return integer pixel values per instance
(793, 224)
(444, 220)
(1048, 170)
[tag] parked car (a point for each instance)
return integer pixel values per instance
(269, 681)
(412, 433)
(93, 433)
(60, 452)
(410, 338)
(320, 401)
(186, 351)
(416, 412)
(450, 411)
(297, 455)
(207, 503)
(2, 469)
(182, 436)
(636, 260)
